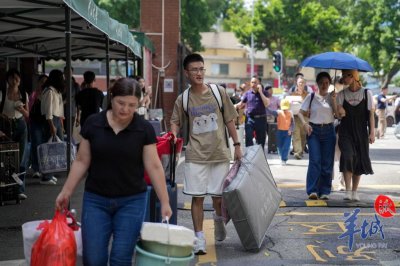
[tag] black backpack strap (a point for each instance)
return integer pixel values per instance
(218, 97)
(185, 107)
(312, 98)
(309, 106)
(367, 112)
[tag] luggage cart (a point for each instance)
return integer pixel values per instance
(9, 167)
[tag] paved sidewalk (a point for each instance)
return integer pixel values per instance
(290, 179)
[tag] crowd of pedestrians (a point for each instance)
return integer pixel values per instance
(306, 118)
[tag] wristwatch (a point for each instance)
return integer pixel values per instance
(236, 144)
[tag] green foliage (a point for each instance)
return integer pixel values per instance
(374, 26)
(196, 16)
(298, 28)
(199, 16)
(396, 81)
(125, 11)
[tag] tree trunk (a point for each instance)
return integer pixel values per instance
(388, 77)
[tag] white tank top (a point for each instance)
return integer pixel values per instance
(9, 108)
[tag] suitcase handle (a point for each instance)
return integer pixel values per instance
(172, 159)
(167, 260)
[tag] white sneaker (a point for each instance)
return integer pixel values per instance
(219, 228)
(348, 195)
(283, 163)
(22, 196)
(54, 178)
(36, 175)
(355, 196)
(48, 182)
(341, 188)
(313, 196)
(200, 246)
(324, 197)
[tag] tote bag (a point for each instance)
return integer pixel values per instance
(52, 156)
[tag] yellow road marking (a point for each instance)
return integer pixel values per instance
(187, 205)
(302, 185)
(211, 256)
(309, 203)
(319, 203)
(323, 214)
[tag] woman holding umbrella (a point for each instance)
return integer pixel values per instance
(356, 131)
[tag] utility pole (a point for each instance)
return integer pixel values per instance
(252, 42)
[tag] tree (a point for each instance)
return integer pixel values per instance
(125, 11)
(199, 16)
(298, 28)
(196, 16)
(374, 25)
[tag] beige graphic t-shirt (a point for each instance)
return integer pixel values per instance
(207, 142)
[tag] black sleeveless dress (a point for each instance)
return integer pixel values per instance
(354, 139)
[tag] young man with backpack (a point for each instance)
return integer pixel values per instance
(208, 111)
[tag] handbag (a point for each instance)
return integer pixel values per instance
(52, 156)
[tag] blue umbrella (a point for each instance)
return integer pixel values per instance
(336, 60)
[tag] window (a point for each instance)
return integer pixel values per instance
(258, 70)
(219, 69)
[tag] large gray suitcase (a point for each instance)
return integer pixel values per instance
(252, 198)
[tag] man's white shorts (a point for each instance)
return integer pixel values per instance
(204, 179)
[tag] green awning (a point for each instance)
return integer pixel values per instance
(37, 29)
(144, 40)
(100, 19)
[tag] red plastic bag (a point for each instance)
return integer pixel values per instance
(164, 153)
(56, 244)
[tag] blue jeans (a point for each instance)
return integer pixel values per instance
(20, 135)
(104, 217)
(259, 125)
(321, 148)
(37, 138)
(283, 139)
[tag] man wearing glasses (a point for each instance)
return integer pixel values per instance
(207, 154)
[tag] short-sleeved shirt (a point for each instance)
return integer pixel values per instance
(274, 103)
(89, 100)
(207, 139)
(321, 109)
(116, 168)
(381, 105)
(52, 103)
(254, 102)
(354, 98)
